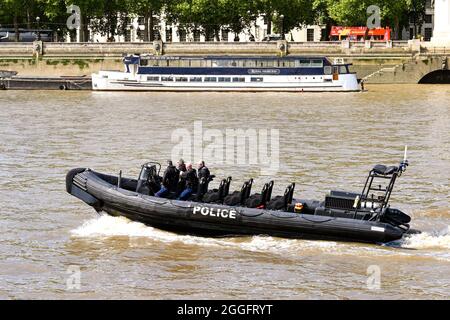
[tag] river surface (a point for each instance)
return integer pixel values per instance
(54, 246)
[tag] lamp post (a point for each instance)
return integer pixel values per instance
(282, 26)
(38, 29)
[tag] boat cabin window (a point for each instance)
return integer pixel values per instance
(166, 79)
(308, 63)
(196, 63)
(144, 62)
(221, 79)
(210, 79)
(343, 69)
(239, 79)
(152, 78)
(257, 79)
(181, 79)
(327, 70)
(317, 63)
(196, 79)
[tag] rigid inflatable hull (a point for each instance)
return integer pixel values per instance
(218, 220)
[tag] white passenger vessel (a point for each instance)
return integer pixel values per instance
(228, 73)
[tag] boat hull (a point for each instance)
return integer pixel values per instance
(219, 220)
(119, 81)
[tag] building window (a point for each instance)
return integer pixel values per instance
(310, 35)
(225, 33)
(411, 33)
(428, 34)
(183, 35)
(209, 35)
(128, 35)
(196, 35)
(169, 35)
(156, 34)
(428, 18)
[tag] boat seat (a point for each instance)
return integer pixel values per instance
(214, 196)
(384, 170)
(239, 197)
(282, 202)
(226, 190)
(260, 200)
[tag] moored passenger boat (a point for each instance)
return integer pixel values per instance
(343, 216)
(228, 73)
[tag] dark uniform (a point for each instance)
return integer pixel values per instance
(191, 179)
(169, 182)
(203, 172)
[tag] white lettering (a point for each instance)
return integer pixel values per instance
(197, 210)
(216, 213)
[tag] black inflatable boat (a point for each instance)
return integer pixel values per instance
(342, 216)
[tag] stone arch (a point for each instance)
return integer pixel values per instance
(436, 77)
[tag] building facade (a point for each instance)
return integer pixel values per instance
(168, 32)
(421, 26)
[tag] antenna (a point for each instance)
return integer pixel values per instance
(405, 162)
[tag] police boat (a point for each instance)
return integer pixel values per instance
(343, 216)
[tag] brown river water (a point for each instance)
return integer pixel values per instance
(54, 246)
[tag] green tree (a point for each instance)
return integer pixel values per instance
(354, 12)
(17, 10)
(147, 9)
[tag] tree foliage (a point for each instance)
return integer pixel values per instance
(111, 17)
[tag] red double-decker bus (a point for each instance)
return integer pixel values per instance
(360, 34)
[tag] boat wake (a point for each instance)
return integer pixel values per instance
(428, 240)
(139, 234)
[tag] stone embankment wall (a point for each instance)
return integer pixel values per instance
(375, 62)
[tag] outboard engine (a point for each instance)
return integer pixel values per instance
(149, 181)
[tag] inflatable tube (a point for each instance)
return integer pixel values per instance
(216, 220)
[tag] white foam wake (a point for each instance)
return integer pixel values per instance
(107, 226)
(435, 240)
(139, 234)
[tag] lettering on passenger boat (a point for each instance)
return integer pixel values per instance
(263, 71)
(212, 212)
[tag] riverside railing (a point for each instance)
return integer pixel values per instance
(118, 49)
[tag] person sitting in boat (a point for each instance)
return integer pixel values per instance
(170, 180)
(203, 171)
(181, 166)
(191, 179)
